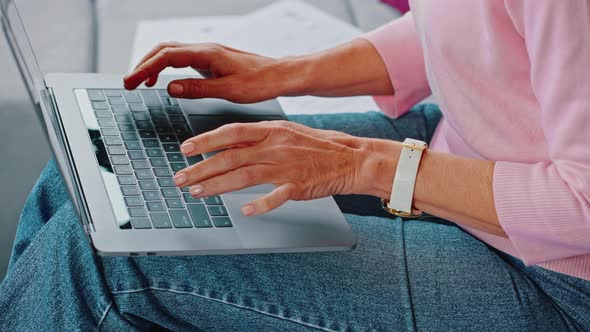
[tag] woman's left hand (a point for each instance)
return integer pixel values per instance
(303, 163)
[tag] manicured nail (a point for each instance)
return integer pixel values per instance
(176, 89)
(180, 179)
(187, 148)
(196, 190)
(248, 210)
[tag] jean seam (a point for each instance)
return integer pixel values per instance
(220, 301)
(104, 316)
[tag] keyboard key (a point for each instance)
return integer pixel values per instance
(185, 189)
(177, 166)
(96, 95)
(161, 220)
(171, 147)
(112, 140)
(117, 101)
(126, 180)
(140, 164)
(194, 159)
(133, 201)
(164, 130)
(133, 145)
(150, 98)
(180, 128)
(141, 223)
(162, 172)
(138, 108)
(113, 93)
(158, 162)
(162, 93)
(166, 182)
(199, 214)
(173, 110)
(130, 190)
(144, 125)
(132, 96)
(156, 206)
(141, 116)
(106, 123)
(129, 136)
(175, 157)
(100, 105)
(222, 222)
(147, 134)
(174, 204)
(137, 155)
(217, 210)
(190, 199)
(126, 127)
(103, 114)
(122, 170)
(168, 138)
(119, 160)
(116, 149)
(181, 219)
(148, 185)
(177, 118)
(154, 152)
(151, 195)
(160, 120)
(120, 109)
(213, 200)
(156, 111)
(138, 212)
(123, 118)
(170, 193)
(144, 174)
(151, 143)
(110, 132)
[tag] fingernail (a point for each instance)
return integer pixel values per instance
(176, 89)
(187, 148)
(248, 210)
(196, 190)
(180, 179)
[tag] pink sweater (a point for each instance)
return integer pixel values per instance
(512, 79)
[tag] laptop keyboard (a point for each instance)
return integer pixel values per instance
(142, 131)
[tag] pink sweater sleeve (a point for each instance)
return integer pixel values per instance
(399, 47)
(545, 207)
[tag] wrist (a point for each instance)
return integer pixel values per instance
(294, 74)
(378, 167)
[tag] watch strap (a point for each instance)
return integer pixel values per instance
(402, 191)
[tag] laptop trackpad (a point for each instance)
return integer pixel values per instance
(202, 123)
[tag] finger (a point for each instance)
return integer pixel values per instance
(270, 201)
(178, 57)
(152, 81)
(193, 88)
(157, 49)
(220, 163)
(226, 136)
(237, 179)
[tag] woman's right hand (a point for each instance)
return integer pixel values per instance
(228, 73)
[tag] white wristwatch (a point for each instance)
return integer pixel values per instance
(402, 191)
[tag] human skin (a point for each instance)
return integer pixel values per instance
(305, 163)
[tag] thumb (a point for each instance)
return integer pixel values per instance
(200, 88)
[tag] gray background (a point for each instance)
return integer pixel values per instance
(61, 34)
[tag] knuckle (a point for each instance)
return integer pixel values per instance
(195, 88)
(228, 158)
(248, 176)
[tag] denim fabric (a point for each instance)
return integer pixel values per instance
(424, 275)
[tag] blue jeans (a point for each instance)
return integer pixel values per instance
(423, 274)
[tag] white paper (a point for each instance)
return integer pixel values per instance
(281, 29)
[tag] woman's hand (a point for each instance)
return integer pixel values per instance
(303, 163)
(352, 69)
(229, 74)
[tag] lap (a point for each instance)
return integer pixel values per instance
(426, 275)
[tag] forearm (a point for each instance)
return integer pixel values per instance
(352, 69)
(450, 187)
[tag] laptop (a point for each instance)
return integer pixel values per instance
(118, 151)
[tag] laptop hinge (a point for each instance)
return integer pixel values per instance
(63, 157)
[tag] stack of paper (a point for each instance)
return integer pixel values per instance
(281, 29)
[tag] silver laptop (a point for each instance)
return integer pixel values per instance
(118, 150)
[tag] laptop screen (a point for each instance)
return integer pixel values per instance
(20, 46)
